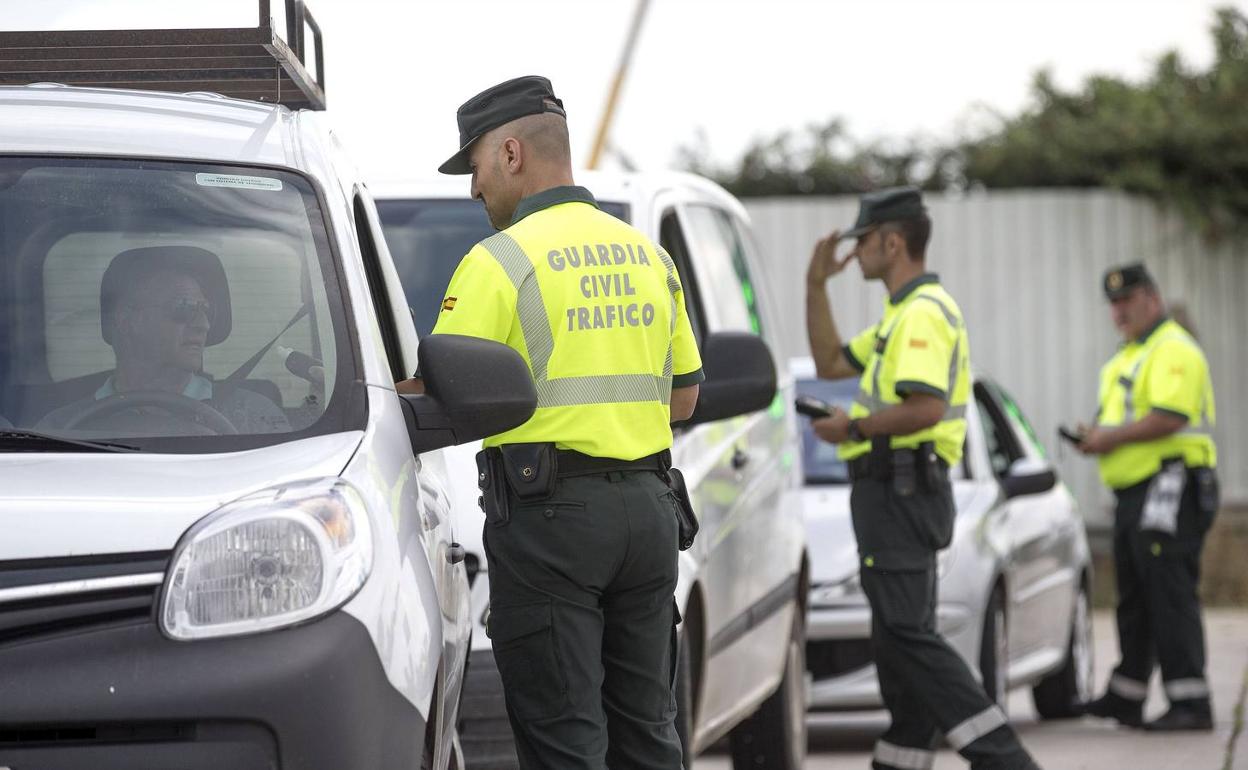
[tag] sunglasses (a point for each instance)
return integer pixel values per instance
(185, 311)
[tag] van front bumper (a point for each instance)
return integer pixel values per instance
(313, 696)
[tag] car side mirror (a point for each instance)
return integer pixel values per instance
(1028, 476)
(740, 377)
(473, 388)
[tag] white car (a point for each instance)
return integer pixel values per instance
(743, 585)
(259, 571)
(1013, 585)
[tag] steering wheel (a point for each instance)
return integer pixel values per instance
(175, 403)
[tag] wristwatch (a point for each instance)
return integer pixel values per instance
(855, 432)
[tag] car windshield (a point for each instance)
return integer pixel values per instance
(427, 239)
(819, 461)
(176, 307)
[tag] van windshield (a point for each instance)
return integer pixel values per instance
(428, 238)
(175, 307)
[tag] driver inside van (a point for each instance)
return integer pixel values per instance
(160, 307)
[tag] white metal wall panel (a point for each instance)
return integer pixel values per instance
(1026, 268)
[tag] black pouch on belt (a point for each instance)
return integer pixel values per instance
(493, 485)
(686, 520)
(905, 475)
(935, 472)
(530, 469)
(1208, 495)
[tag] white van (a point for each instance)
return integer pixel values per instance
(225, 540)
(743, 586)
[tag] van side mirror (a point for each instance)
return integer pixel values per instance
(1028, 476)
(473, 388)
(740, 377)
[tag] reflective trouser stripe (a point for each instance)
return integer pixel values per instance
(1130, 689)
(1186, 689)
(903, 758)
(975, 728)
(535, 326)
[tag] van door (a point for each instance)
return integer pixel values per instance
(752, 553)
(432, 530)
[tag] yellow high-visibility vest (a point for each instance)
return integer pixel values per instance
(1166, 371)
(920, 345)
(597, 311)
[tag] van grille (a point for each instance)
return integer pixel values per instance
(43, 596)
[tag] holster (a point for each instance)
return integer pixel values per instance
(686, 519)
(492, 481)
(1208, 495)
(905, 475)
(934, 471)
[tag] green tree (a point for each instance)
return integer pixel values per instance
(1179, 137)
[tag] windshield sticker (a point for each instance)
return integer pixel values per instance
(238, 181)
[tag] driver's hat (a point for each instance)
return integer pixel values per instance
(130, 267)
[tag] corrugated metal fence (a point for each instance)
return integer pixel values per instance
(1026, 268)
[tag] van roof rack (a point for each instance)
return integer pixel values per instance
(245, 62)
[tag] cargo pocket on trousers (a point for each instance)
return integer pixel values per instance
(523, 637)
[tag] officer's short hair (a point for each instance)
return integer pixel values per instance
(915, 232)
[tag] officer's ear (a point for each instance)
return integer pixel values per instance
(512, 152)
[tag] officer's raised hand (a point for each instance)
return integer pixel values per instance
(824, 263)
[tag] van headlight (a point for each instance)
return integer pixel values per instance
(274, 558)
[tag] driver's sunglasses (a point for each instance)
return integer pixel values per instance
(184, 311)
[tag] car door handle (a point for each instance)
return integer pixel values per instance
(456, 553)
(740, 459)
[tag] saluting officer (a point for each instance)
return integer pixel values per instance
(1152, 438)
(904, 431)
(581, 531)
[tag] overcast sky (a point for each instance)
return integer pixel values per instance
(736, 69)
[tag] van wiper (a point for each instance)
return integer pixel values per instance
(33, 441)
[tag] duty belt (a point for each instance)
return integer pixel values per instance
(572, 463)
(879, 465)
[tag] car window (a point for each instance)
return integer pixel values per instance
(720, 262)
(213, 285)
(820, 465)
(999, 441)
(428, 238)
(672, 239)
(1019, 421)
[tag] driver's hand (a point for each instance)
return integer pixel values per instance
(824, 263)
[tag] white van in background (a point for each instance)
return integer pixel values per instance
(744, 584)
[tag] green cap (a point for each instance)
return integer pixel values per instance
(894, 204)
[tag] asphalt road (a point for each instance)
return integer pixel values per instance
(845, 741)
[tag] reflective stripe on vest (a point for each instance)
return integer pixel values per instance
(1128, 402)
(873, 402)
(535, 326)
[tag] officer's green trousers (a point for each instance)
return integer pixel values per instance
(583, 623)
(926, 686)
(1158, 611)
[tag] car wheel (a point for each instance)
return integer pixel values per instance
(994, 651)
(774, 738)
(684, 698)
(1061, 695)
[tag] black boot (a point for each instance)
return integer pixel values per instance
(1111, 706)
(1191, 715)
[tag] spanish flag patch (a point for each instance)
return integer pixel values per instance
(449, 303)
(920, 344)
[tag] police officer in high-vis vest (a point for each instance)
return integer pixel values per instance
(1152, 439)
(581, 515)
(903, 433)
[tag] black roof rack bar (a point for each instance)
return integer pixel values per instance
(246, 63)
